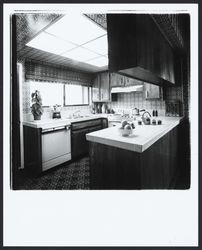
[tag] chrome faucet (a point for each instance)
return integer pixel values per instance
(78, 115)
(137, 111)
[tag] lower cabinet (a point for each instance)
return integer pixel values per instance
(79, 144)
(45, 148)
(32, 150)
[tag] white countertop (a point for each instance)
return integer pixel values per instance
(50, 123)
(142, 138)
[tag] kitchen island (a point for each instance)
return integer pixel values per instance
(147, 159)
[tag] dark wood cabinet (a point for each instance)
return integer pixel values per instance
(32, 150)
(104, 123)
(131, 82)
(118, 80)
(104, 87)
(96, 89)
(101, 87)
(138, 49)
(79, 144)
(152, 91)
(117, 168)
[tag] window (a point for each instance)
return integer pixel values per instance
(61, 94)
(76, 95)
(51, 93)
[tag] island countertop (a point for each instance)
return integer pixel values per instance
(142, 138)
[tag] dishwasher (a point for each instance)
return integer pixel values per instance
(56, 146)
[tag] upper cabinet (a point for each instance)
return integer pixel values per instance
(101, 87)
(152, 91)
(104, 87)
(138, 49)
(96, 89)
(117, 80)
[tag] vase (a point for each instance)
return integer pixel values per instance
(37, 117)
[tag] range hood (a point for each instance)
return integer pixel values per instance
(136, 88)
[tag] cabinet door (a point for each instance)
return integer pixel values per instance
(104, 123)
(113, 80)
(104, 87)
(121, 80)
(79, 143)
(96, 89)
(152, 91)
(131, 82)
(117, 80)
(145, 53)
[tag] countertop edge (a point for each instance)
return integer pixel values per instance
(131, 146)
(49, 123)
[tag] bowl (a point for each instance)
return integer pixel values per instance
(125, 132)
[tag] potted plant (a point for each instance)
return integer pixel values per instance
(36, 107)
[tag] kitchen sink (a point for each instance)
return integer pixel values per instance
(82, 116)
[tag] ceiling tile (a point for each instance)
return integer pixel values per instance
(50, 44)
(76, 28)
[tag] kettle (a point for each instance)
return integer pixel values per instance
(146, 118)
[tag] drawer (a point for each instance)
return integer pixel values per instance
(86, 124)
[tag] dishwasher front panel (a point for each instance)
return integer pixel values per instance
(56, 148)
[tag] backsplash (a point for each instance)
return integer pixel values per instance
(137, 100)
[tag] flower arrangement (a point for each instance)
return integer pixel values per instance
(36, 107)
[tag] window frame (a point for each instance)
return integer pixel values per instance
(72, 105)
(46, 106)
(64, 97)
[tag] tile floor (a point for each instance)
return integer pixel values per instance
(74, 175)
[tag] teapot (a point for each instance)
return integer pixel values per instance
(146, 118)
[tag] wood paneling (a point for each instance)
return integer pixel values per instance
(155, 168)
(101, 87)
(32, 150)
(139, 44)
(79, 144)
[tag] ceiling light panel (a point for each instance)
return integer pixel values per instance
(80, 54)
(99, 61)
(50, 43)
(100, 45)
(76, 28)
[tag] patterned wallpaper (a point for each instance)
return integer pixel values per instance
(28, 25)
(42, 72)
(37, 70)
